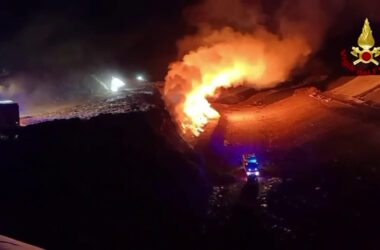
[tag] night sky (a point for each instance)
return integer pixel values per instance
(57, 37)
(50, 41)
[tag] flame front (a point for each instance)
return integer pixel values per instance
(228, 59)
(366, 40)
(196, 107)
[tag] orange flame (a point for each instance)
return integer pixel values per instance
(230, 58)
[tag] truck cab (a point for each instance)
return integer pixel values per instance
(9, 115)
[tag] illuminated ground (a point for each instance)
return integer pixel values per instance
(319, 151)
(123, 102)
(290, 119)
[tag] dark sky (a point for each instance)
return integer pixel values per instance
(56, 37)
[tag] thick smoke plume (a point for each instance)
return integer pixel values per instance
(49, 50)
(232, 47)
(259, 59)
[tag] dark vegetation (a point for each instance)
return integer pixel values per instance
(111, 182)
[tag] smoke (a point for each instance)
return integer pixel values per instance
(47, 61)
(52, 48)
(279, 17)
(41, 94)
(313, 19)
(232, 47)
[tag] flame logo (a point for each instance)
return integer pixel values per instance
(366, 42)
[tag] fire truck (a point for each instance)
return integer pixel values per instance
(251, 166)
(9, 115)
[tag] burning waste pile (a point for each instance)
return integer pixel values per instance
(225, 57)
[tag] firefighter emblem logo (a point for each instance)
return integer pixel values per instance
(367, 52)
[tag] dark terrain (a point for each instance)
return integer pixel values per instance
(129, 181)
(115, 181)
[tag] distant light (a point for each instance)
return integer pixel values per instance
(6, 102)
(140, 78)
(255, 173)
(116, 84)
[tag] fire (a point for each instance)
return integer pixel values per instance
(228, 59)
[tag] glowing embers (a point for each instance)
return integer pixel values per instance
(198, 110)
